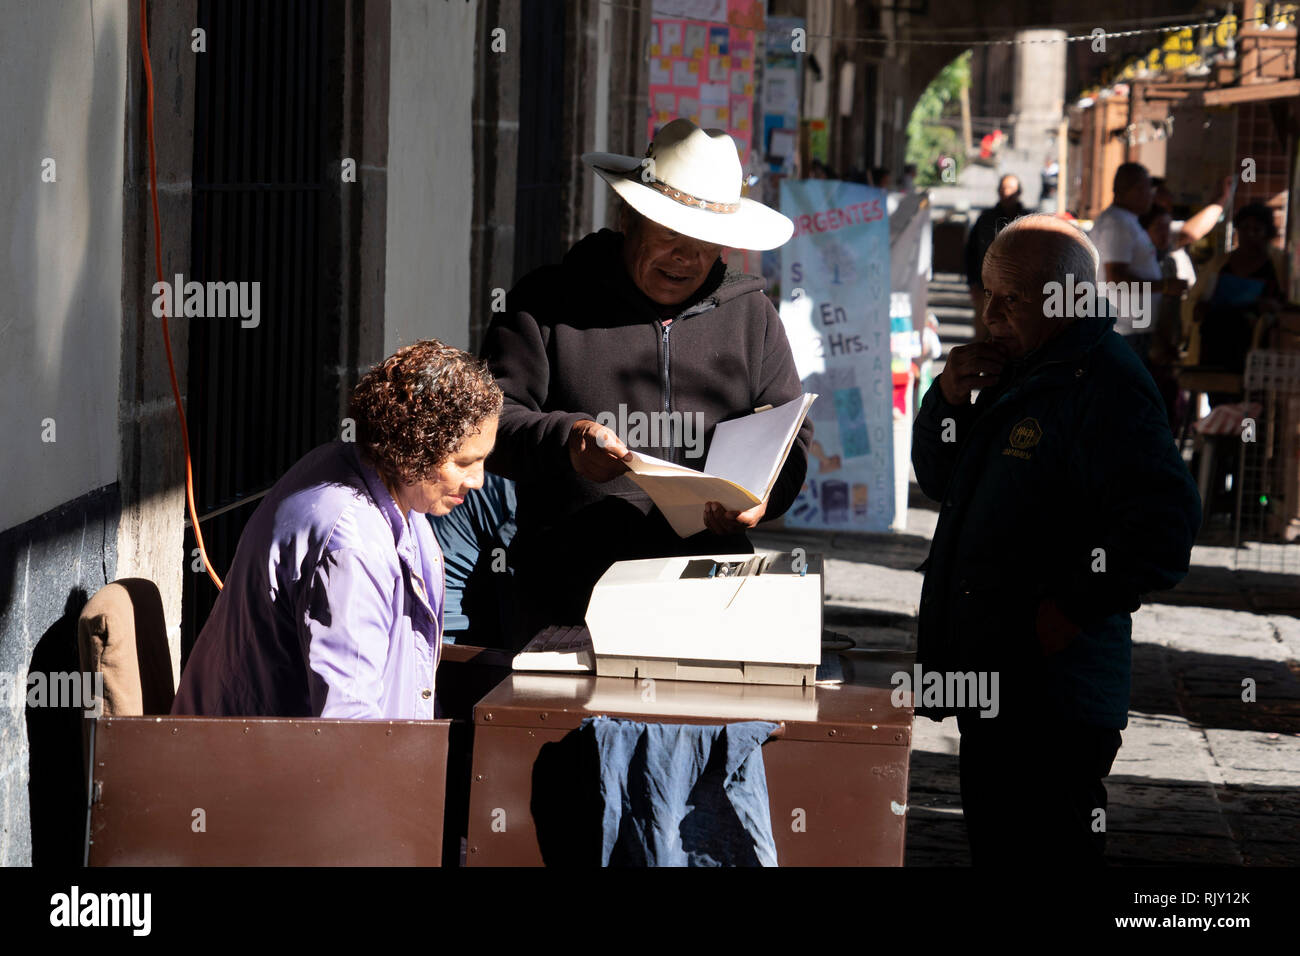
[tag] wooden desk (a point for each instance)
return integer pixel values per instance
(837, 777)
(208, 791)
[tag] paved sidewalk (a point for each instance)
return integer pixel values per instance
(1202, 777)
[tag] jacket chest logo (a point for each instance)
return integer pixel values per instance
(1025, 434)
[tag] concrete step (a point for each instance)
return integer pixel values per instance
(951, 300)
(953, 313)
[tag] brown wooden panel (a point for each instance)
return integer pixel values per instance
(835, 803)
(292, 792)
(501, 827)
(851, 799)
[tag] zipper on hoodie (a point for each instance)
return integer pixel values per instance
(668, 398)
(665, 325)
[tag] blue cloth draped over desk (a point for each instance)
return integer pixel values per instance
(682, 794)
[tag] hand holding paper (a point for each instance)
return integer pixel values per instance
(745, 458)
(596, 452)
(721, 521)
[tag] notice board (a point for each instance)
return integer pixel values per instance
(702, 66)
(835, 310)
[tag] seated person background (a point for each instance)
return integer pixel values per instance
(475, 541)
(639, 322)
(1233, 291)
(333, 605)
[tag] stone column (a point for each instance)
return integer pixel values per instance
(1038, 94)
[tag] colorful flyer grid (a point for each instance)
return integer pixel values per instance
(704, 69)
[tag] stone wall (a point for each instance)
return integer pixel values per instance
(49, 568)
(63, 67)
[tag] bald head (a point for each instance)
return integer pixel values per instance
(1027, 255)
(1008, 190)
(1046, 249)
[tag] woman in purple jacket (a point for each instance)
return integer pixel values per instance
(333, 605)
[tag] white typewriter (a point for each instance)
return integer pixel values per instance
(738, 618)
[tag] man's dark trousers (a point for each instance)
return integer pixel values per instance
(1031, 788)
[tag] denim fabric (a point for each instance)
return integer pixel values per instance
(682, 794)
(478, 590)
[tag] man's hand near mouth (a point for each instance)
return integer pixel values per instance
(970, 367)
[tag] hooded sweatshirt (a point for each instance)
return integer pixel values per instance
(579, 339)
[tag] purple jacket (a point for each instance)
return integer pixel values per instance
(332, 607)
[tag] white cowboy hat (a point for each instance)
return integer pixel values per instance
(690, 182)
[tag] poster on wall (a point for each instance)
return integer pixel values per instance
(781, 92)
(702, 66)
(779, 143)
(692, 10)
(835, 310)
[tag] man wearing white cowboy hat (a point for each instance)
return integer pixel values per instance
(633, 325)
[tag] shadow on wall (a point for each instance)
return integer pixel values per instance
(57, 784)
(63, 281)
(50, 567)
(63, 289)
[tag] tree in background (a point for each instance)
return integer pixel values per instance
(929, 134)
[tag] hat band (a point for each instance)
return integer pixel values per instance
(686, 199)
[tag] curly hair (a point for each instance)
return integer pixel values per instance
(416, 407)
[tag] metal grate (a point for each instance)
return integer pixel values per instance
(263, 211)
(1268, 514)
(542, 170)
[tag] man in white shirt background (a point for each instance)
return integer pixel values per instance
(1128, 255)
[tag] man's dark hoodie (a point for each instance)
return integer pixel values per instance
(578, 339)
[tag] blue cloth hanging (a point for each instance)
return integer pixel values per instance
(682, 794)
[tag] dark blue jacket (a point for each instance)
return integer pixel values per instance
(1065, 467)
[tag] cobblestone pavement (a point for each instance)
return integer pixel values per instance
(1202, 777)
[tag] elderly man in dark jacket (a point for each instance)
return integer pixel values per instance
(643, 326)
(1064, 499)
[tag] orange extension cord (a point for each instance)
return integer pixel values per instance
(167, 342)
